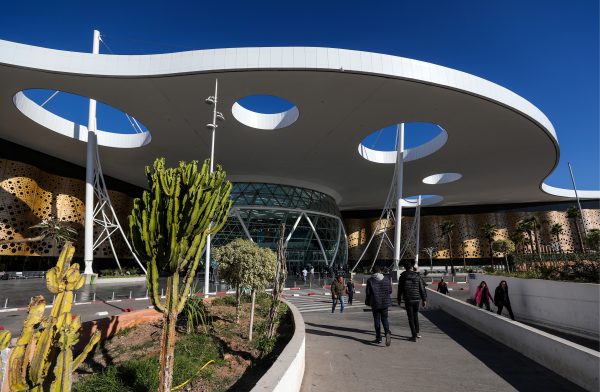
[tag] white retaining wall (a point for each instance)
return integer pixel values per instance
(576, 363)
(567, 306)
(287, 372)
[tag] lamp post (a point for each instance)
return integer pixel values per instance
(212, 100)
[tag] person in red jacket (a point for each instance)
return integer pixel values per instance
(483, 296)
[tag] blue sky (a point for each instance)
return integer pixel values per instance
(545, 51)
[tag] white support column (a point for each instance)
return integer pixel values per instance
(212, 159)
(399, 180)
(418, 228)
(89, 177)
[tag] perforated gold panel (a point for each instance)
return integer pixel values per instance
(467, 230)
(29, 195)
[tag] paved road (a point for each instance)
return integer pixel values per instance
(451, 357)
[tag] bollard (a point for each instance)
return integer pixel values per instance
(146, 294)
(53, 299)
(75, 298)
(6, 304)
(129, 294)
(162, 292)
(94, 299)
(113, 295)
(363, 281)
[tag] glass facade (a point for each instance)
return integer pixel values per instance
(318, 237)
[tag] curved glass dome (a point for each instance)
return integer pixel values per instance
(313, 218)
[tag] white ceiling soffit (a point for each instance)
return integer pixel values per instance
(340, 96)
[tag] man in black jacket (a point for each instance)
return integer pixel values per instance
(412, 288)
(379, 290)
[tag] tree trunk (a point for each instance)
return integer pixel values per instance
(252, 314)
(168, 337)
(579, 236)
(506, 260)
(451, 262)
(492, 254)
(238, 304)
(537, 245)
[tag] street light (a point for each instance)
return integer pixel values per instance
(212, 100)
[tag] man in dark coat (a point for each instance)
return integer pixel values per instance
(379, 290)
(412, 288)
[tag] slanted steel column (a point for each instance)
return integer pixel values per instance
(92, 141)
(418, 228)
(399, 180)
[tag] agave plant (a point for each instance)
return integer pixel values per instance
(52, 227)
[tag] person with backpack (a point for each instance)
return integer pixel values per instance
(502, 300)
(412, 288)
(378, 297)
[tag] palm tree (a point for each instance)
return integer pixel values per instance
(556, 230)
(489, 231)
(463, 251)
(447, 228)
(506, 247)
(52, 228)
(592, 240)
(531, 225)
(518, 238)
(574, 214)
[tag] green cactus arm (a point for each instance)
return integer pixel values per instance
(63, 372)
(4, 339)
(152, 279)
(95, 338)
(19, 359)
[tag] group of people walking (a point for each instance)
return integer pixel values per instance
(501, 299)
(411, 288)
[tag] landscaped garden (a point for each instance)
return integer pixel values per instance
(214, 355)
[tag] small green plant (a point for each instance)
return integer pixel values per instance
(194, 314)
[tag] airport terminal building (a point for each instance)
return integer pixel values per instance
(306, 166)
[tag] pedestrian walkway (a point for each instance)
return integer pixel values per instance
(315, 301)
(450, 356)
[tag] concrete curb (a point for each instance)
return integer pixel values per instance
(287, 372)
(572, 361)
(133, 279)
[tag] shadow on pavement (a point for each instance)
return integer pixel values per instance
(521, 372)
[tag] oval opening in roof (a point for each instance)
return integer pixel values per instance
(67, 114)
(420, 139)
(266, 112)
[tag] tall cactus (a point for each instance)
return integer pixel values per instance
(168, 228)
(4, 342)
(43, 356)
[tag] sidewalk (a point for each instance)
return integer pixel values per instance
(450, 356)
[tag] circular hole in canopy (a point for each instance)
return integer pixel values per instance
(266, 112)
(442, 178)
(420, 139)
(426, 200)
(67, 114)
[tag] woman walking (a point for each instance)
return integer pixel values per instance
(483, 296)
(502, 300)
